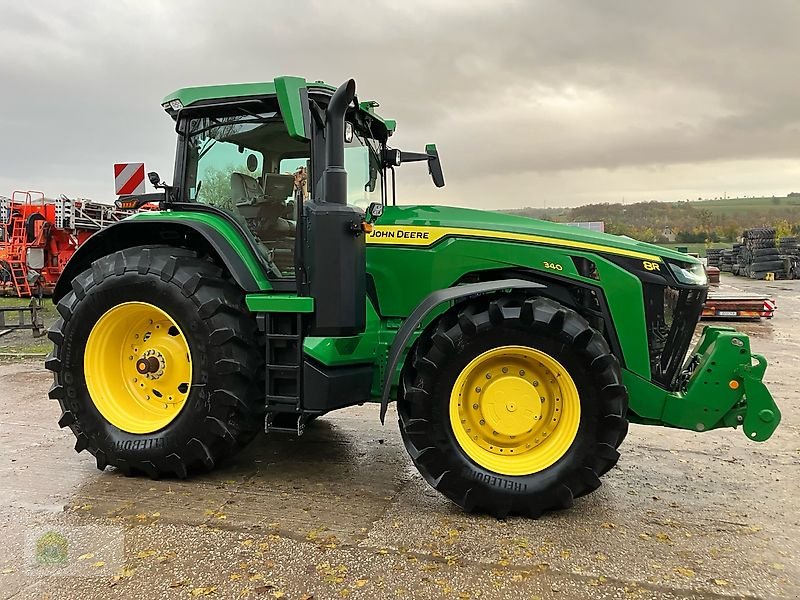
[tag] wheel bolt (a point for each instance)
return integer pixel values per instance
(535, 384)
(521, 373)
(478, 389)
(483, 422)
(505, 369)
(542, 399)
(475, 406)
(488, 376)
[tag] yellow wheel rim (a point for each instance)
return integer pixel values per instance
(138, 367)
(515, 410)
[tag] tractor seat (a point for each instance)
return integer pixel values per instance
(264, 207)
(253, 201)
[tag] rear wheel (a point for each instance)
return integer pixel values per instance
(512, 406)
(155, 363)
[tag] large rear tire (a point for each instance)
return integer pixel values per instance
(155, 363)
(512, 406)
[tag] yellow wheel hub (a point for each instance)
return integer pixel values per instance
(515, 410)
(138, 367)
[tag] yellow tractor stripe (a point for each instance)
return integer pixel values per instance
(420, 235)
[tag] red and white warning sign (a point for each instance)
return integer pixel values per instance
(129, 178)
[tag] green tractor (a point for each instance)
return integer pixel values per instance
(260, 296)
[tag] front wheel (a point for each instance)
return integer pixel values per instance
(155, 363)
(512, 406)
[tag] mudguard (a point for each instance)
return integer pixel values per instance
(430, 302)
(165, 230)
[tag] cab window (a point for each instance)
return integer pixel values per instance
(246, 164)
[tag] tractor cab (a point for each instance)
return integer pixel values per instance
(293, 164)
(241, 159)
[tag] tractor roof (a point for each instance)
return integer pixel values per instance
(286, 88)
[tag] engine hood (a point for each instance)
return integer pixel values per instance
(439, 221)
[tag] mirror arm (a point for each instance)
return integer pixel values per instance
(413, 156)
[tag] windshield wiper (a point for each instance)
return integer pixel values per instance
(256, 120)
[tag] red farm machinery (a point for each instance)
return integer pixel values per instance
(38, 235)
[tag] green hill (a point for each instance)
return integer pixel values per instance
(690, 221)
(726, 205)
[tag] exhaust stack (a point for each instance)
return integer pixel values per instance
(335, 250)
(335, 177)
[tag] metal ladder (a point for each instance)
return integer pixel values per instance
(16, 247)
(283, 334)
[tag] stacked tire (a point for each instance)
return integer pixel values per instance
(713, 256)
(789, 246)
(726, 260)
(789, 250)
(762, 254)
(737, 266)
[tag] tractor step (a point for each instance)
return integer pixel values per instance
(283, 350)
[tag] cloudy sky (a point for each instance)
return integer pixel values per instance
(531, 103)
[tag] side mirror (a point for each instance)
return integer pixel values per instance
(393, 158)
(434, 165)
(170, 192)
(374, 211)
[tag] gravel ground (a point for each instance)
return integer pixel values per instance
(342, 513)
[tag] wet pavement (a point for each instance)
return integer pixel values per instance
(341, 512)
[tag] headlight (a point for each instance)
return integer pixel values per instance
(689, 273)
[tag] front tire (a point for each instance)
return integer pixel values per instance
(512, 406)
(155, 363)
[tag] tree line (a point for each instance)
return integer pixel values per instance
(688, 221)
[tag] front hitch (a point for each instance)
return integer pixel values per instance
(761, 416)
(725, 388)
